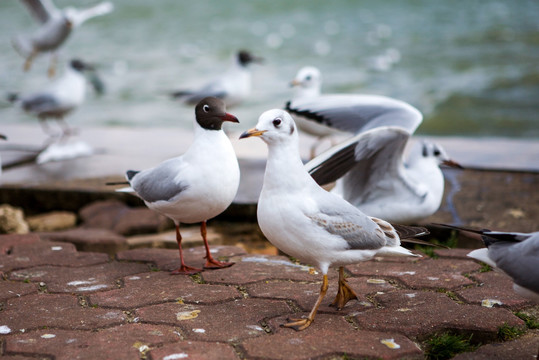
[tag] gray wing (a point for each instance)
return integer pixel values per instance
(339, 218)
(39, 103)
(214, 89)
(159, 183)
(41, 10)
(518, 260)
(363, 162)
(355, 113)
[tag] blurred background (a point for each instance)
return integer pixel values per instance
(472, 67)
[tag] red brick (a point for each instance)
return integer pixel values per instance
(195, 350)
(225, 322)
(86, 239)
(249, 269)
(8, 241)
(55, 311)
(79, 280)
(126, 341)
(305, 294)
(418, 313)
(328, 336)
(169, 259)
(494, 286)
(425, 273)
(10, 289)
(48, 253)
(158, 287)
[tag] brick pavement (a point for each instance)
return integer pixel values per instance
(59, 303)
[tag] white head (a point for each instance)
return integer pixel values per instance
(308, 81)
(429, 151)
(274, 126)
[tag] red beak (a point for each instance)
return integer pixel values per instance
(229, 117)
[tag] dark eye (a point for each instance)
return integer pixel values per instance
(308, 77)
(277, 122)
(437, 152)
(206, 108)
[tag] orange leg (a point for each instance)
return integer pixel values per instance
(183, 269)
(211, 263)
(345, 292)
(302, 324)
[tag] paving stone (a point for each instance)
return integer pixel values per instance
(305, 294)
(118, 217)
(228, 322)
(79, 280)
(158, 287)
(424, 273)
(453, 253)
(255, 268)
(128, 341)
(169, 259)
(194, 350)
(495, 289)
(52, 221)
(86, 239)
(329, 336)
(55, 311)
(419, 313)
(525, 347)
(26, 255)
(10, 289)
(8, 241)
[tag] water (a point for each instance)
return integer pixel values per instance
(472, 67)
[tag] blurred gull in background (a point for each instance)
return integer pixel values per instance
(233, 87)
(372, 175)
(58, 99)
(328, 114)
(55, 27)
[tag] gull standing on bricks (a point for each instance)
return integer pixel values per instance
(197, 185)
(311, 224)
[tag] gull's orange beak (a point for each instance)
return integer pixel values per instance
(252, 132)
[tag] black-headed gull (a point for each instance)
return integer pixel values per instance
(233, 86)
(197, 185)
(328, 114)
(58, 99)
(516, 254)
(55, 27)
(372, 174)
(311, 224)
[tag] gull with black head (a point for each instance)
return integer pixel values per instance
(371, 173)
(58, 99)
(198, 185)
(311, 224)
(234, 86)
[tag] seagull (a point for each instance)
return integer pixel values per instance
(324, 115)
(372, 175)
(233, 86)
(57, 100)
(197, 185)
(307, 222)
(55, 27)
(515, 253)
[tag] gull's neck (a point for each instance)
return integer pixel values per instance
(284, 168)
(306, 92)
